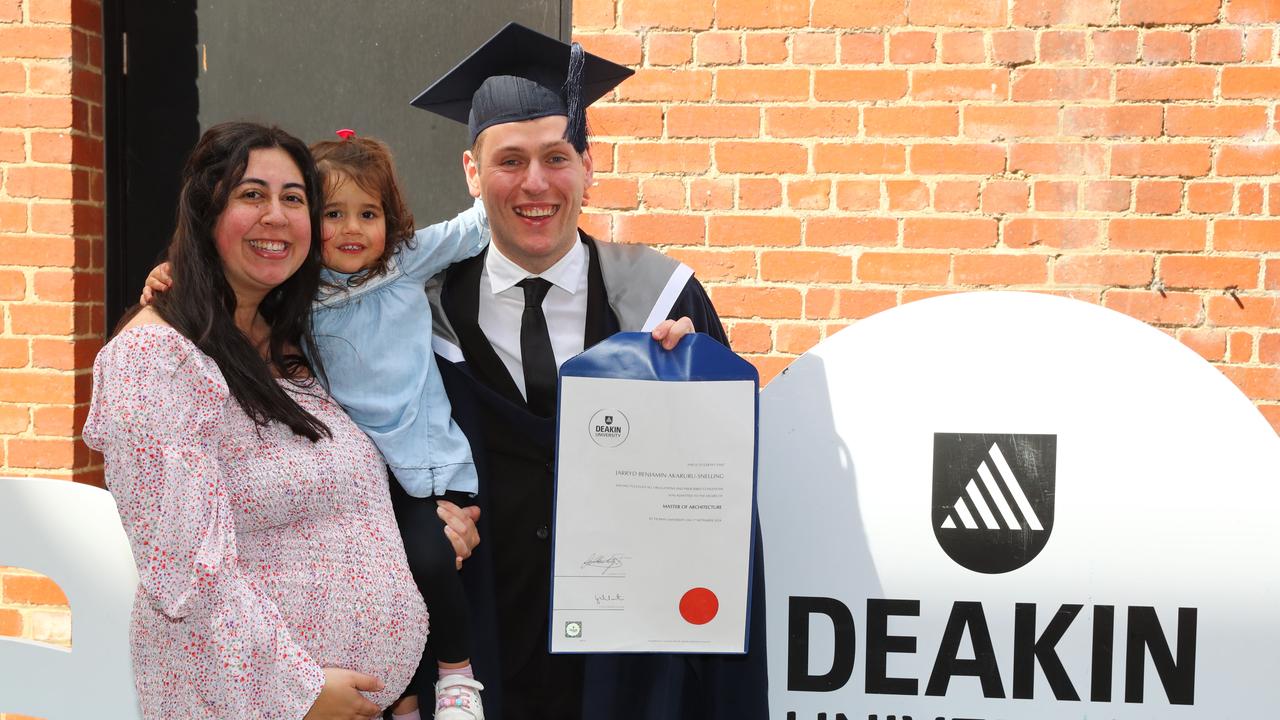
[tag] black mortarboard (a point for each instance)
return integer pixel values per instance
(521, 74)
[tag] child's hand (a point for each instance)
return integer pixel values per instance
(158, 280)
(669, 332)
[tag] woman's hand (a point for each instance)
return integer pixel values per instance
(460, 528)
(668, 332)
(340, 698)
(158, 280)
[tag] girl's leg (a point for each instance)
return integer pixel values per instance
(431, 560)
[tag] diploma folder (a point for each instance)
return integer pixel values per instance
(655, 498)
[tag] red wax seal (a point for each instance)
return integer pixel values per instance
(346, 133)
(699, 606)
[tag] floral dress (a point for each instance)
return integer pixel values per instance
(262, 556)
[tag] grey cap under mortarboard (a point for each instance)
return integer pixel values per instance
(521, 74)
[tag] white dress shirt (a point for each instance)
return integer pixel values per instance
(501, 306)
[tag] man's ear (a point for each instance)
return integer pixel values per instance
(471, 166)
(587, 165)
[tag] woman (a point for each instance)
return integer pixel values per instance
(273, 579)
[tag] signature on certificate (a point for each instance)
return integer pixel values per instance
(609, 599)
(604, 563)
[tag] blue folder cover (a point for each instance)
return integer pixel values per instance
(696, 358)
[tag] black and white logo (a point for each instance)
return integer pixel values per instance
(993, 498)
(573, 629)
(609, 428)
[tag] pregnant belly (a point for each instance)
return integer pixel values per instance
(374, 624)
(378, 630)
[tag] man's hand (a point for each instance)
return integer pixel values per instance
(158, 280)
(340, 698)
(460, 528)
(669, 332)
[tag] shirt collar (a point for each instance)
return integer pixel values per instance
(566, 274)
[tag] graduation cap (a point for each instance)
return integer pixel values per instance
(521, 74)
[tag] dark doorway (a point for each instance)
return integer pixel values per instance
(175, 67)
(151, 105)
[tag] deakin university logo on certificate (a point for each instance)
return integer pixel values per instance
(993, 498)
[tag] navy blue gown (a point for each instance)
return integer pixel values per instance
(508, 577)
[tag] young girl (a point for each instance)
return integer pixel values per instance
(372, 328)
(373, 334)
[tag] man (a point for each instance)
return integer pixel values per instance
(505, 321)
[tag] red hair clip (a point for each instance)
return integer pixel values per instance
(346, 133)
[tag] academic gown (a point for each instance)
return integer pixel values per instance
(508, 576)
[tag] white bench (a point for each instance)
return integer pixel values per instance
(72, 534)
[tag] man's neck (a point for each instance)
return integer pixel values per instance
(533, 265)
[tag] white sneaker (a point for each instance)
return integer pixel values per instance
(458, 698)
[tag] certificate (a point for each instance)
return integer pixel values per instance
(655, 492)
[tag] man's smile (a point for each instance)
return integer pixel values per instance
(536, 212)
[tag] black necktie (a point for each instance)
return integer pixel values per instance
(535, 349)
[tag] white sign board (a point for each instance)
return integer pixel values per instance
(1017, 507)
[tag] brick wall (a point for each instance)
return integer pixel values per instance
(51, 225)
(817, 161)
(51, 259)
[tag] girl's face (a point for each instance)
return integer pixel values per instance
(355, 226)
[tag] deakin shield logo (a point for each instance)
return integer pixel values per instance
(993, 498)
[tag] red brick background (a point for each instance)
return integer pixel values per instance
(51, 260)
(817, 161)
(51, 232)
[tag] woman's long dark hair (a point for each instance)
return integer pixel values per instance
(201, 304)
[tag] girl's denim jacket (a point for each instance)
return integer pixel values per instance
(374, 341)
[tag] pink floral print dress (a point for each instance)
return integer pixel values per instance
(263, 557)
